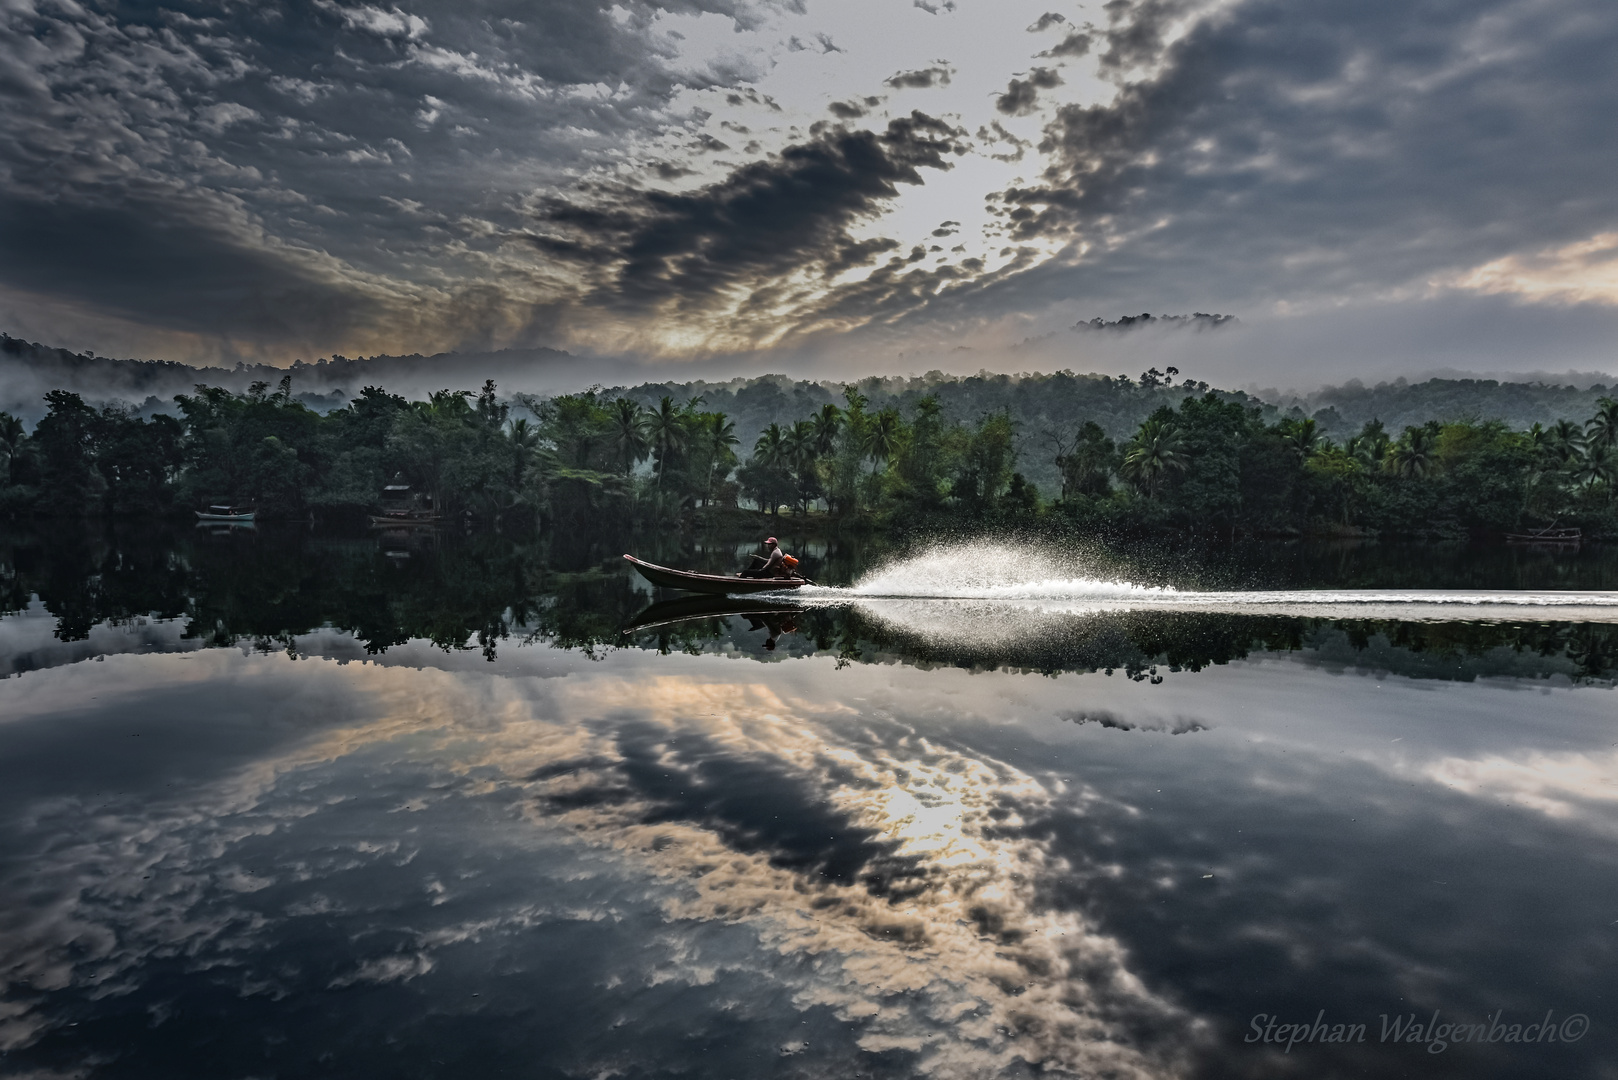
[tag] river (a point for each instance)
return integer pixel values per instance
(280, 803)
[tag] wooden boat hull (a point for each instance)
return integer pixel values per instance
(223, 518)
(711, 584)
(1557, 537)
(381, 521)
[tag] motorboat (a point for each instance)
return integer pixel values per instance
(713, 584)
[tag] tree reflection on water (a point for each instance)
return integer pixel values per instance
(483, 591)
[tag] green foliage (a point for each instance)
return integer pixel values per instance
(1209, 463)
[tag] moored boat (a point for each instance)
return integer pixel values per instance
(403, 508)
(713, 584)
(403, 519)
(225, 513)
(1571, 537)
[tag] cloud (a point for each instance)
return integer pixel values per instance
(882, 873)
(822, 44)
(1075, 45)
(1332, 153)
(766, 222)
(229, 182)
(920, 79)
(1138, 32)
(1581, 272)
(392, 23)
(1337, 154)
(1022, 94)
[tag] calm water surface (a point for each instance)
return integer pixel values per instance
(292, 805)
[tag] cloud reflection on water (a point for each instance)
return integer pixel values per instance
(930, 939)
(930, 861)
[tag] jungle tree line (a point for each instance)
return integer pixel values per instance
(1208, 464)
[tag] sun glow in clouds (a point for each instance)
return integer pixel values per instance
(1583, 272)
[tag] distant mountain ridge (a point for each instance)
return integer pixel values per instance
(28, 370)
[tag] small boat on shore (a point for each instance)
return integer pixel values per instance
(712, 584)
(1567, 537)
(403, 508)
(226, 514)
(403, 520)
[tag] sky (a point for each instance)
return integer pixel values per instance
(818, 186)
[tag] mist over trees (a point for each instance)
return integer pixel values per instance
(1051, 453)
(1443, 457)
(28, 371)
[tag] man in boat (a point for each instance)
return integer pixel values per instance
(773, 563)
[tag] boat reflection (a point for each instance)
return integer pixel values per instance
(775, 618)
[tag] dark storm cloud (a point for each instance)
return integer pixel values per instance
(1046, 21)
(311, 163)
(854, 253)
(1022, 94)
(1137, 32)
(1331, 150)
(921, 79)
(760, 224)
(1075, 45)
(193, 275)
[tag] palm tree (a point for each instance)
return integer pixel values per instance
(1303, 436)
(770, 450)
(666, 426)
(1412, 455)
(721, 437)
(1539, 440)
(1567, 441)
(1154, 452)
(827, 424)
(628, 427)
(1600, 466)
(446, 405)
(882, 435)
(524, 440)
(799, 444)
(11, 437)
(1370, 446)
(1602, 430)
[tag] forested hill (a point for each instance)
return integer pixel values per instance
(1341, 410)
(1050, 407)
(1045, 408)
(28, 371)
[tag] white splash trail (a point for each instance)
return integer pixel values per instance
(980, 575)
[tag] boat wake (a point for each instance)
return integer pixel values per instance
(983, 576)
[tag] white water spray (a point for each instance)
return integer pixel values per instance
(1033, 579)
(981, 571)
